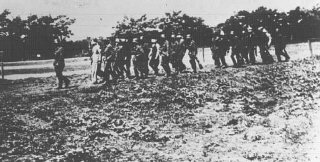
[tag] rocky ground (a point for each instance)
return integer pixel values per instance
(261, 112)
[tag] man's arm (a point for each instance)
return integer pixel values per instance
(269, 39)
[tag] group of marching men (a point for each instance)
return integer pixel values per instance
(113, 62)
(244, 46)
(117, 56)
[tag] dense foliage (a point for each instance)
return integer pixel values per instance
(298, 24)
(24, 39)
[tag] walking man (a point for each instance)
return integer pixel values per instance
(280, 46)
(138, 60)
(165, 55)
(95, 61)
(181, 50)
(250, 49)
(58, 65)
(109, 62)
(236, 56)
(154, 56)
(219, 48)
(193, 51)
(263, 41)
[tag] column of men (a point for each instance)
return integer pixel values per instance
(116, 57)
(243, 45)
(165, 51)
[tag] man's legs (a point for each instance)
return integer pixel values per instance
(154, 63)
(127, 65)
(215, 57)
(244, 54)
(94, 68)
(278, 53)
(285, 54)
(193, 61)
(265, 55)
(223, 60)
(233, 59)
(59, 76)
(165, 65)
(252, 55)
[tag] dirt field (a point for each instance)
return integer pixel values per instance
(261, 112)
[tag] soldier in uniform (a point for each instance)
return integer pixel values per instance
(120, 61)
(95, 60)
(250, 50)
(180, 50)
(154, 56)
(109, 62)
(280, 46)
(127, 56)
(193, 51)
(138, 60)
(219, 48)
(263, 41)
(237, 48)
(244, 49)
(165, 55)
(145, 57)
(174, 53)
(58, 65)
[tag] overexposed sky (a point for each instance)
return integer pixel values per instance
(96, 18)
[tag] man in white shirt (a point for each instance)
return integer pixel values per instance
(95, 60)
(154, 56)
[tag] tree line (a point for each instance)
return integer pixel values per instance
(33, 37)
(26, 39)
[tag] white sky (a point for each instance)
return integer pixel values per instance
(96, 18)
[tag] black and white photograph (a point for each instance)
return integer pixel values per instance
(159, 80)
